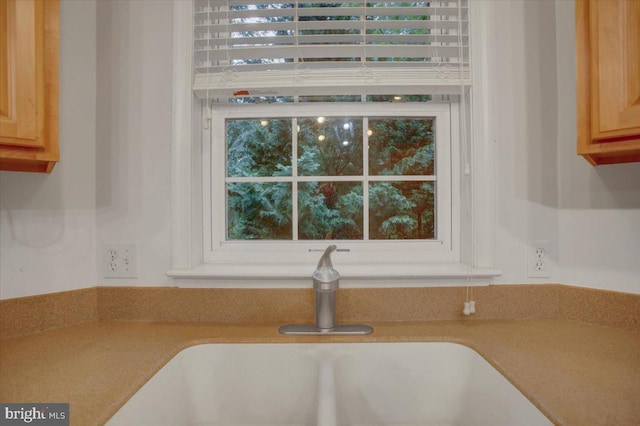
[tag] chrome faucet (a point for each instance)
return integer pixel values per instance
(326, 282)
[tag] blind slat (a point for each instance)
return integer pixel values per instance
(335, 11)
(333, 51)
(336, 39)
(327, 25)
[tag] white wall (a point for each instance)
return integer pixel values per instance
(590, 216)
(525, 122)
(134, 133)
(598, 208)
(545, 192)
(47, 222)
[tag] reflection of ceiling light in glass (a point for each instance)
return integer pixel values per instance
(264, 123)
(346, 126)
(345, 143)
(321, 138)
(369, 132)
(298, 128)
(320, 120)
(397, 98)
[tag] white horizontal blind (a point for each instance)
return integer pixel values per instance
(306, 47)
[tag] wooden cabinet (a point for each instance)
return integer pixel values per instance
(608, 80)
(29, 38)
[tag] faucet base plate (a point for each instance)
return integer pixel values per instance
(340, 329)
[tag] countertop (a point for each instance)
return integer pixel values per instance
(575, 373)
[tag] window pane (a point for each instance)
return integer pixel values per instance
(248, 99)
(330, 211)
(330, 146)
(258, 147)
(402, 210)
(259, 211)
(397, 98)
(401, 146)
(330, 98)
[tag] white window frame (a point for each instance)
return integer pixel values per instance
(475, 240)
(218, 251)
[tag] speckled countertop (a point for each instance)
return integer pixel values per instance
(576, 373)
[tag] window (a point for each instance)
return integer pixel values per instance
(377, 182)
(353, 178)
(323, 123)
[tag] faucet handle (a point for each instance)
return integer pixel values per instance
(325, 277)
(325, 260)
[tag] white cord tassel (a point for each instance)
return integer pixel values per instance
(469, 305)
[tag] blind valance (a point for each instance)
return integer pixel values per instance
(301, 47)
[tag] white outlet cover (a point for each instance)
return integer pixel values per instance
(538, 259)
(120, 260)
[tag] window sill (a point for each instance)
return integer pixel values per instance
(354, 271)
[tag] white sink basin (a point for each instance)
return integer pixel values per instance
(329, 384)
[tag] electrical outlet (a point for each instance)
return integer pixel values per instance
(538, 261)
(120, 260)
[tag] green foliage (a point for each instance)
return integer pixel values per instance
(331, 210)
(259, 147)
(401, 210)
(339, 153)
(259, 211)
(401, 146)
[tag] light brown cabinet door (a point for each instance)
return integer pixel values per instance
(615, 61)
(18, 69)
(29, 37)
(608, 78)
